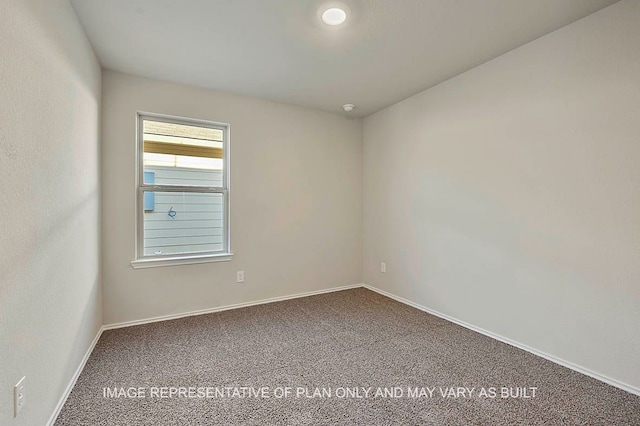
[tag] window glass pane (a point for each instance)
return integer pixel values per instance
(182, 154)
(183, 222)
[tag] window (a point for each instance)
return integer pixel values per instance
(182, 191)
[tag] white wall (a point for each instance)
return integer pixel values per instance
(50, 308)
(509, 196)
(296, 205)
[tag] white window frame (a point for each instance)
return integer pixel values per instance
(142, 261)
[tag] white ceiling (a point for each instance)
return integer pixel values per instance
(279, 50)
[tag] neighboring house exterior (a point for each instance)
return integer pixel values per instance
(183, 222)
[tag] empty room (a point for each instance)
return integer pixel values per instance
(319, 212)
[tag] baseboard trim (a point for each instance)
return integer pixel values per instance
(620, 385)
(228, 307)
(84, 360)
(559, 361)
(74, 379)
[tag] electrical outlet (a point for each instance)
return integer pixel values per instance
(240, 276)
(19, 397)
(383, 267)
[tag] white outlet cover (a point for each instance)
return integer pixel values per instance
(240, 276)
(383, 267)
(19, 397)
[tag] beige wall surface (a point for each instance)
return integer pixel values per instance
(296, 180)
(50, 308)
(509, 196)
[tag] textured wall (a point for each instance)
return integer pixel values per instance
(50, 308)
(509, 196)
(296, 179)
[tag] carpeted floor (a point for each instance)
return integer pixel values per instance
(351, 340)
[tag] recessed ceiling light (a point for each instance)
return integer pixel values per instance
(334, 16)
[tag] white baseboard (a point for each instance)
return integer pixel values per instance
(69, 387)
(228, 307)
(562, 362)
(74, 378)
(579, 369)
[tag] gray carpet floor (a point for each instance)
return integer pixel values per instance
(346, 339)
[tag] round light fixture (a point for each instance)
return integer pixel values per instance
(348, 107)
(334, 16)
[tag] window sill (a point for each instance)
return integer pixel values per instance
(180, 260)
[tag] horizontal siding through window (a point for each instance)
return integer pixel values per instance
(198, 222)
(183, 224)
(182, 216)
(185, 176)
(190, 248)
(183, 232)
